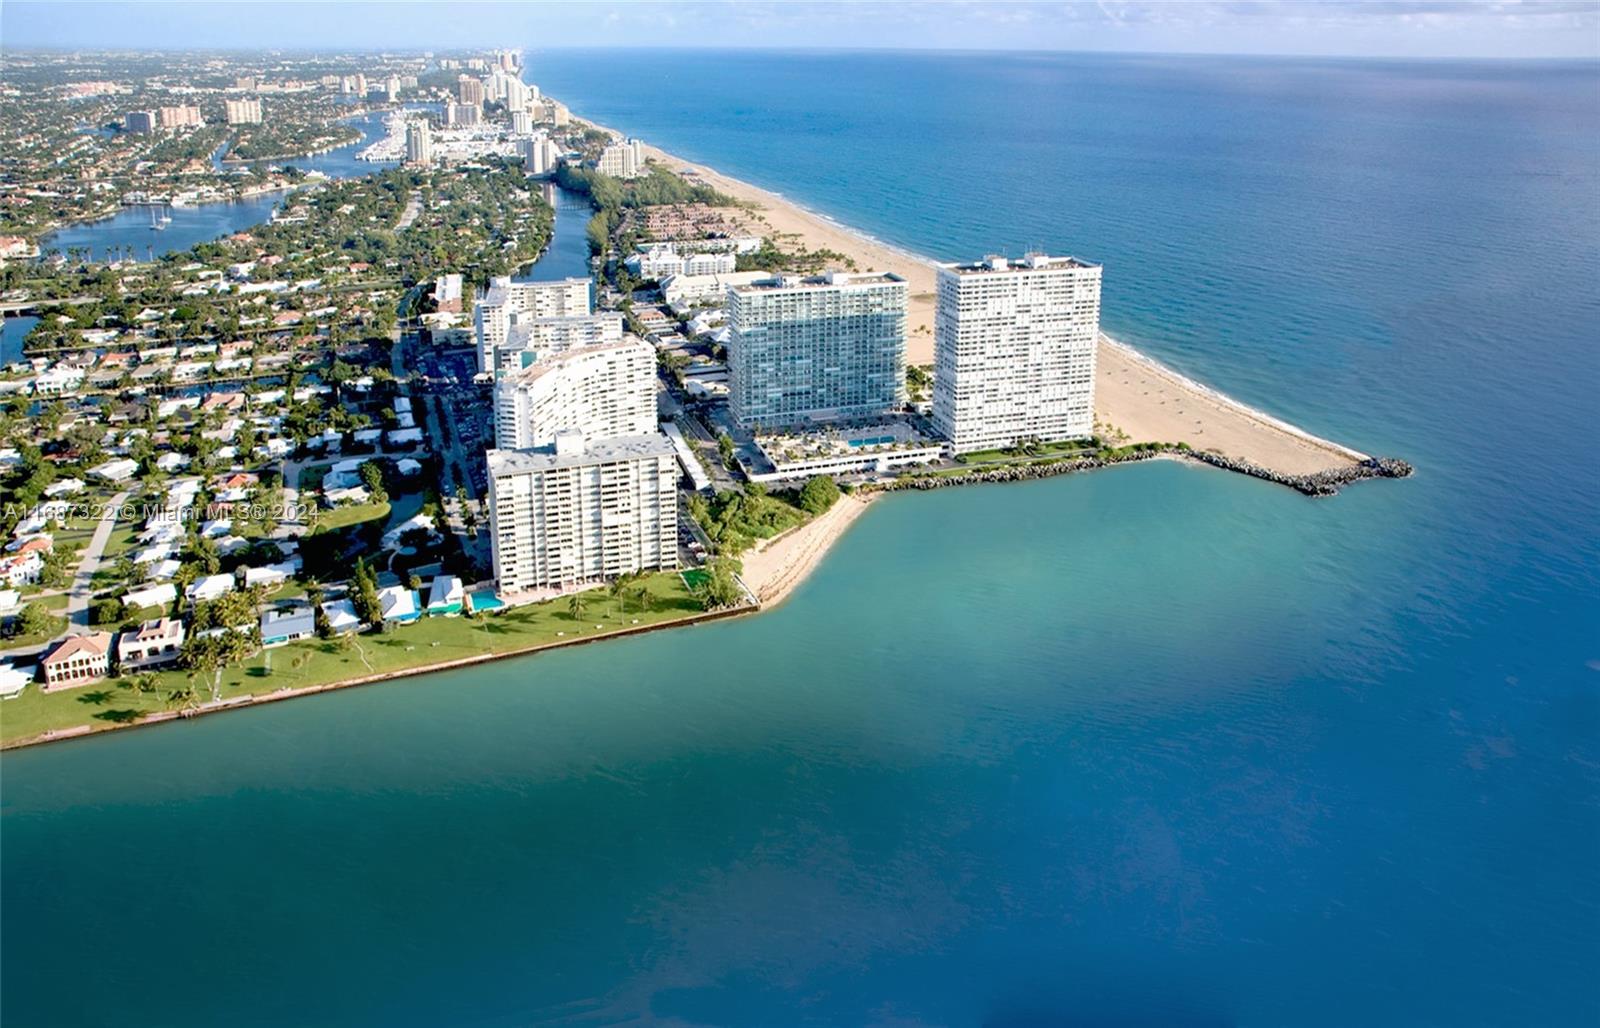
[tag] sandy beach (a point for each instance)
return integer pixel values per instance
(1146, 400)
(773, 568)
(779, 217)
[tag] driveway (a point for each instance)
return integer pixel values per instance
(83, 583)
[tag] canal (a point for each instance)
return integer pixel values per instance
(567, 256)
(129, 234)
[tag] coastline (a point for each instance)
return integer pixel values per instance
(776, 567)
(290, 692)
(1148, 401)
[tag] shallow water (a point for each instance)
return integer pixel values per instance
(1157, 745)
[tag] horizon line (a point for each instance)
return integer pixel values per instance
(454, 51)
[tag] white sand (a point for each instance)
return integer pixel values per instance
(773, 568)
(1147, 401)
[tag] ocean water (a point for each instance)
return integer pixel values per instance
(1158, 745)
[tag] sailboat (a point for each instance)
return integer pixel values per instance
(159, 223)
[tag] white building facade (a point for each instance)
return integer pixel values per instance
(622, 160)
(493, 314)
(242, 112)
(530, 339)
(419, 142)
(600, 391)
(539, 155)
(582, 511)
(1015, 351)
(664, 261)
(816, 349)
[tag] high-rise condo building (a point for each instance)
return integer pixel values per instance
(539, 155)
(492, 315)
(183, 116)
(1015, 351)
(242, 112)
(530, 339)
(462, 115)
(513, 93)
(419, 142)
(143, 122)
(601, 390)
(469, 90)
(622, 160)
(816, 349)
(582, 510)
(521, 123)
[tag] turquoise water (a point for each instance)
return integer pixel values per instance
(1157, 745)
(128, 235)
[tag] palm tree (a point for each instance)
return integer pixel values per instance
(575, 606)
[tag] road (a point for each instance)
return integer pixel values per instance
(83, 582)
(453, 471)
(413, 208)
(699, 437)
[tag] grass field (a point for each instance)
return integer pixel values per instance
(58, 624)
(1067, 448)
(113, 702)
(354, 514)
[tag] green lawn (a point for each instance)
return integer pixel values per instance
(317, 662)
(354, 514)
(123, 539)
(57, 626)
(1066, 448)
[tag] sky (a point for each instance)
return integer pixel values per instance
(1377, 28)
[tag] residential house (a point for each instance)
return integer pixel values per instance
(287, 625)
(341, 615)
(398, 604)
(76, 661)
(210, 587)
(157, 596)
(154, 643)
(445, 596)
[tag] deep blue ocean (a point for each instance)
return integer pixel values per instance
(1152, 746)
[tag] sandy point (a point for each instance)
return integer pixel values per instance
(774, 567)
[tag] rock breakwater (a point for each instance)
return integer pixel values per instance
(1323, 483)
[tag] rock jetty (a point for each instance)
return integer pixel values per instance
(1323, 483)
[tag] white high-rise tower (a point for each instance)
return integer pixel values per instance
(1015, 351)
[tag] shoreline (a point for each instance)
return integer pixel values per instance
(291, 693)
(776, 567)
(1250, 441)
(1147, 399)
